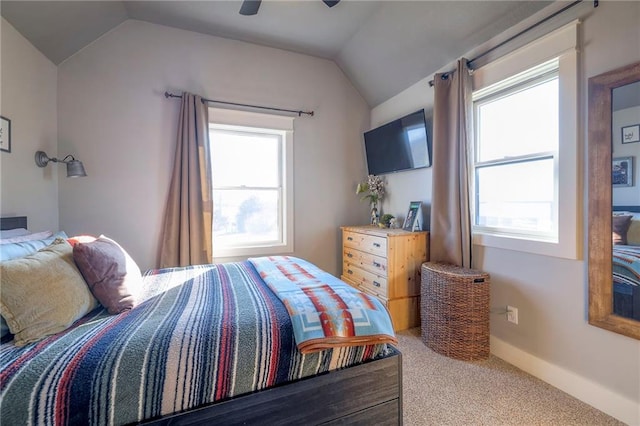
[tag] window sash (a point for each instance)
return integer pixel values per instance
(518, 83)
(526, 81)
(522, 232)
(258, 246)
(248, 132)
(280, 221)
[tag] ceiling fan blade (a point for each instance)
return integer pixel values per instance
(250, 7)
(331, 3)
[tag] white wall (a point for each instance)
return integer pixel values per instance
(28, 99)
(114, 117)
(553, 339)
(629, 195)
(412, 185)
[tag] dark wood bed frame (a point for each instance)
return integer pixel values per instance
(366, 394)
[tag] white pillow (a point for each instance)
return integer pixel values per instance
(30, 237)
(635, 215)
(17, 232)
(25, 248)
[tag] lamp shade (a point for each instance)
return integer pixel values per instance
(75, 169)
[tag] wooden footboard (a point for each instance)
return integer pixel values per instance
(369, 393)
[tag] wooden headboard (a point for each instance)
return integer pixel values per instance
(13, 222)
(634, 209)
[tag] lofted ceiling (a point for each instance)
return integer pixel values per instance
(382, 46)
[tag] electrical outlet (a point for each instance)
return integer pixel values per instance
(512, 314)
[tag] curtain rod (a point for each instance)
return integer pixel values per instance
(510, 39)
(171, 95)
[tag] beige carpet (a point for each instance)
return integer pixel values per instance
(438, 390)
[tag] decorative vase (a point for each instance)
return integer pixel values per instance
(375, 216)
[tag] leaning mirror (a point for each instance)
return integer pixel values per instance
(614, 200)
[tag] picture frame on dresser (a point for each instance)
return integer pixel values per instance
(413, 221)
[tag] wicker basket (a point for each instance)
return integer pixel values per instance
(455, 311)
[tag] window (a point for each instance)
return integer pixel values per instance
(251, 174)
(516, 150)
(525, 168)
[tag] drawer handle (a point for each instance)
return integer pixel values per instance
(349, 255)
(376, 283)
(349, 271)
(349, 238)
(376, 264)
(376, 245)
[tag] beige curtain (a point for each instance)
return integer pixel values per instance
(186, 237)
(452, 123)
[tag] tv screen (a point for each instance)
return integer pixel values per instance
(399, 145)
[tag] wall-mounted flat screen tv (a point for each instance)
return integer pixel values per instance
(402, 144)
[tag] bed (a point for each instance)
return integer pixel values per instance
(626, 261)
(208, 344)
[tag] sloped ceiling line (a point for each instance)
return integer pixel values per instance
(382, 46)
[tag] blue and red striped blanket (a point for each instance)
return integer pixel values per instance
(626, 265)
(203, 334)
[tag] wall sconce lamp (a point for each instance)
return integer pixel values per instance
(74, 167)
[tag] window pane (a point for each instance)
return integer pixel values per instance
(245, 217)
(520, 123)
(245, 159)
(516, 196)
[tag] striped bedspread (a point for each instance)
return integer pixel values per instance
(203, 334)
(626, 265)
(325, 311)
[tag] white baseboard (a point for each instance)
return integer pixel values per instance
(592, 393)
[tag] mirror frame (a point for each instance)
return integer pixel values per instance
(600, 201)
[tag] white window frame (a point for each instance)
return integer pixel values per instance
(530, 78)
(242, 121)
(561, 44)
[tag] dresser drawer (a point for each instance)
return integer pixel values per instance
(367, 281)
(367, 261)
(368, 243)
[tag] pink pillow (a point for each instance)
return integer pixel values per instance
(112, 275)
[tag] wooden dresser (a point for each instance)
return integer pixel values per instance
(386, 263)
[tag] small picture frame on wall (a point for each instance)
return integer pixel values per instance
(622, 171)
(631, 134)
(5, 134)
(413, 221)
